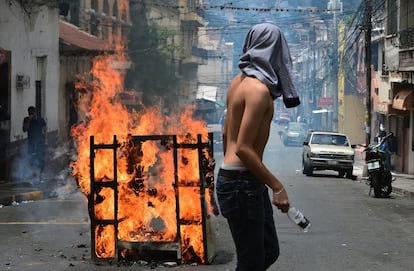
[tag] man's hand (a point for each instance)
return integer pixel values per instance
(281, 200)
(26, 123)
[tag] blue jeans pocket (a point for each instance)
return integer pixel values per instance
(254, 201)
(227, 196)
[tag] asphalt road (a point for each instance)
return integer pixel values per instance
(350, 230)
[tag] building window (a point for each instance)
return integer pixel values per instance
(392, 21)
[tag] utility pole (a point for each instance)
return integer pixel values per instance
(368, 28)
(336, 7)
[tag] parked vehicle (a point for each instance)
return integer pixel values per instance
(294, 133)
(379, 175)
(328, 151)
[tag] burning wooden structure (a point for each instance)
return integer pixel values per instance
(152, 198)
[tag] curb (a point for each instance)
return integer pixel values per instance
(403, 192)
(395, 189)
(24, 196)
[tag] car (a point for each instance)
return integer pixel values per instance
(282, 118)
(328, 151)
(294, 133)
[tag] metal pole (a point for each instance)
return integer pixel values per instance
(335, 6)
(368, 27)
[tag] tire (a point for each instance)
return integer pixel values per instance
(349, 174)
(381, 183)
(387, 187)
(341, 173)
(306, 168)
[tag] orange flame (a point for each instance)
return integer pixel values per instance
(146, 206)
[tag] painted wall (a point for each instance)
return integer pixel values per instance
(354, 118)
(31, 38)
(70, 68)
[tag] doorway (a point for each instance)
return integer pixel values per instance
(4, 114)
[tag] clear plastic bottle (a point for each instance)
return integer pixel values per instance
(299, 219)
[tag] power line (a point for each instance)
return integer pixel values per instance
(240, 8)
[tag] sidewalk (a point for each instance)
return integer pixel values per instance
(403, 184)
(27, 186)
(21, 191)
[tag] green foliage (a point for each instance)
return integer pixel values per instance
(153, 72)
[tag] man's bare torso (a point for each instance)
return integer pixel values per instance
(242, 121)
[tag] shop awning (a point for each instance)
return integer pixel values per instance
(403, 100)
(74, 39)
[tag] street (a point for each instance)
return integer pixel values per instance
(350, 230)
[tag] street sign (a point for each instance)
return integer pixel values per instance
(323, 101)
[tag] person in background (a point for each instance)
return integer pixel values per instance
(385, 148)
(36, 129)
(243, 180)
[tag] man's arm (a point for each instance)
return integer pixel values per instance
(26, 123)
(224, 136)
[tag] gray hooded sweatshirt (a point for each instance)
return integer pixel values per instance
(266, 57)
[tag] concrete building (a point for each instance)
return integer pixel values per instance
(392, 71)
(179, 20)
(392, 85)
(43, 47)
(29, 71)
(218, 69)
(87, 28)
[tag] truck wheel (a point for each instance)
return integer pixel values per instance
(349, 174)
(306, 168)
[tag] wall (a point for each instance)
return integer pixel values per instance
(30, 37)
(218, 69)
(354, 118)
(70, 68)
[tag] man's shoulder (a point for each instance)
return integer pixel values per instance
(252, 82)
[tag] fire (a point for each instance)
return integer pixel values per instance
(145, 173)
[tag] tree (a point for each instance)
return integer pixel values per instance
(153, 71)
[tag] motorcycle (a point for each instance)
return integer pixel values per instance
(379, 175)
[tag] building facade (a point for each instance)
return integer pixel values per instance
(393, 85)
(29, 72)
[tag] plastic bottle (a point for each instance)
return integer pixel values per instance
(299, 219)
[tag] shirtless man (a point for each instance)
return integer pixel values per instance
(243, 179)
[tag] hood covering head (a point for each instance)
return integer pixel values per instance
(266, 57)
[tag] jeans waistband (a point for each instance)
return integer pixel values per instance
(236, 174)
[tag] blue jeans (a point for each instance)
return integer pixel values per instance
(246, 205)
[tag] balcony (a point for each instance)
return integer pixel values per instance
(192, 18)
(406, 59)
(197, 56)
(407, 38)
(199, 52)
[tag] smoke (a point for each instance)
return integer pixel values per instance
(21, 169)
(65, 185)
(59, 172)
(55, 180)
